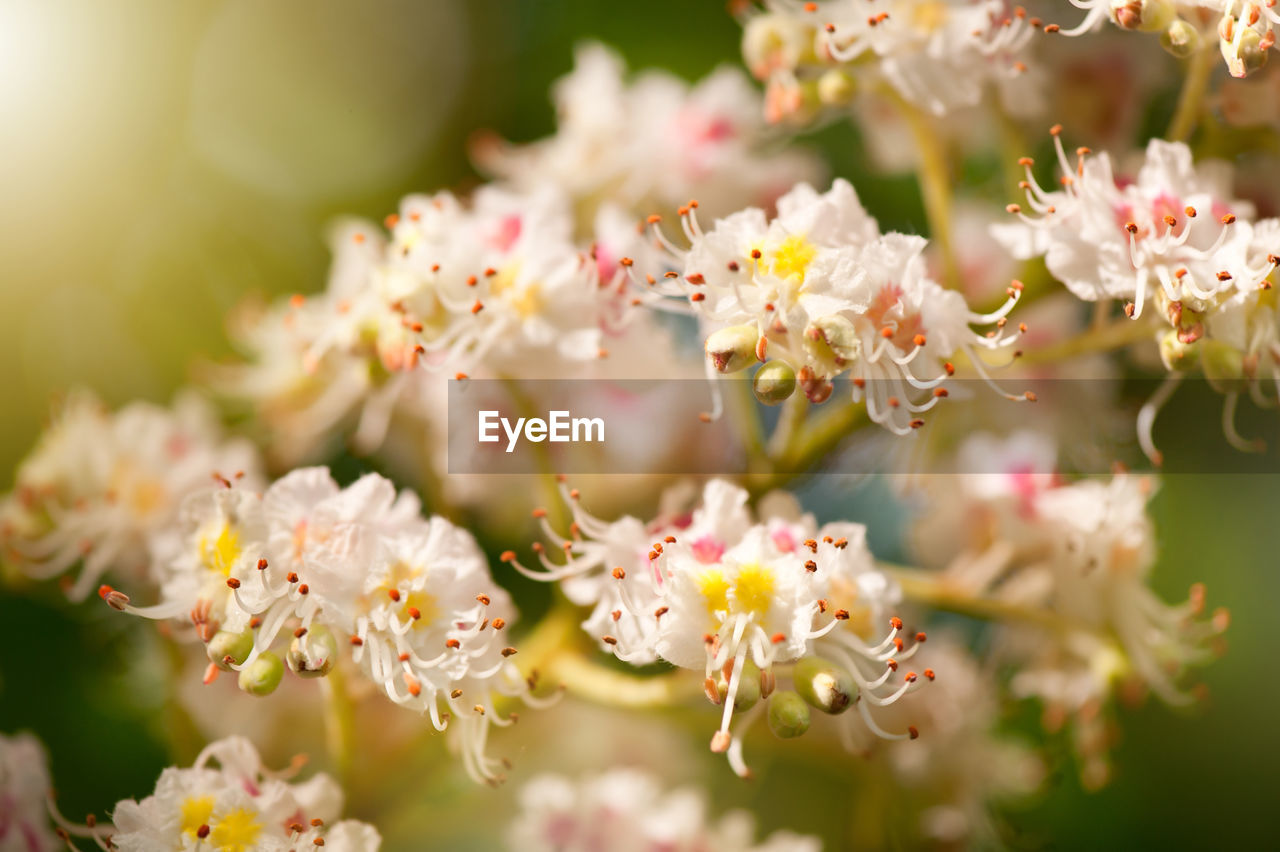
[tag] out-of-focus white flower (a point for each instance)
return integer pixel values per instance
(938, 56)
(103, 488)
(820, 291)
(354, 567)
(1244, 30)
(626, 810)
(24, 793)
(1079, 553)
(650, 142)
(229, 802)
(715, 592)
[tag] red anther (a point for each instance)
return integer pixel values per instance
(498, 624)
(670, 539)
(317, 822)
(778, 638)
(916, 423)
(1026, 162)
(830, 28)
(811, 566)
(653, 219)
(297, 300)
(822, 604)
(897, 643)
(841, 615)
(661, 611)
(394, 594)
(892, 664)
(886, 332)
(477, 307)
(762, 349)
(626, 261)
(696, 278)
(262, 564)
(104, 590)
(1228, 219)
(616, 614)
(920, 637)
(941, 392)
(452, 643)
(292, 577)
(255, 623)
(811, 7)
(697, 297)
(618, 573)
(1131, 227)
(1190, 211)
(910, 677)
(233, 583)
(490, 272)
(411, 683)
(537, 547)
(950, 368)
(1055, 130)
(911, 730)
(574, 494)
(508, 651)
(929, 673)
(755, 254)
(304, 589)
(895, 623)
(1013, 208)
(202, 832)
(507, 556)
(919, 340)
(356, 641)
(733, 266)
(608, 640)
(539, 513)
(653, 554)
(1170, 221)
(483, 599)
(893, 402)
(1224, 276)
(1030, 396)
(1129, 309)
(462, 377)
(840, 543)
(359, 238)
(1022, 328)
(657, 547)
(404, 657)
(414, 612)
(391, 220)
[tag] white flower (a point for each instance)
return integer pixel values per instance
(819, 290)
(24, 792)
(102, 489)
(1174, 233)
(354, 567)
(729, 598)
(650, 142)
(229, 802)
(626, 810)
(939, 55)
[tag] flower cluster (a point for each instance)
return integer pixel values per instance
(1174, 236)
(937, 55)
(1071, 562)
(102, 489)
(818, 292)
(707, 140)
(714, 591)
(626, 810)
(357, 567)
(229, 802)
(1244, 30)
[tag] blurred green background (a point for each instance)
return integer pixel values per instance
(160, 160)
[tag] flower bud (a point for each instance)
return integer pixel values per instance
(836, 87)
(748, 692)
(833, 340)
(774, 383)
(314, 654)
(788, 715)
(1245, 55)
(1147, 16)
(1177, 354)
(824, 685)
(734, 348)
(1181, 39)
(227, 644)
(263, 675)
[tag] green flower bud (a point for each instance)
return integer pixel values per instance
(824, 685)
(1248, 55)
(748, 688)
(226, 644)
(1176, 354)
(788, 715)
(836, 88)
(774, 383)
(832, 341)
(263, 675)
(1181, 39)
(313, 654)
(734, 348)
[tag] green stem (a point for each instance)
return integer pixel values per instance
(593, 682)
(746, 420)
(935, 187)
(339, 722)
(809, 445)
(934, 590)
(1105, 338)
(789, 423)
(1195, 85)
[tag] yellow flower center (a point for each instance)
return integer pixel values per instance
(195, 813)
(753, 588)
(927, 17)
(220, 552)
(526, 301)
(236, 832)
(714, 588)
(792, 257)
